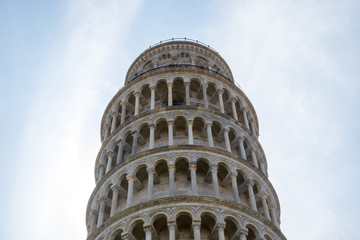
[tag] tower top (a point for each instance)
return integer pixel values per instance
(179, 53)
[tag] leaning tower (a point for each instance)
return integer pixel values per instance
(180, 156)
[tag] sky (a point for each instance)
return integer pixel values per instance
(61, 62)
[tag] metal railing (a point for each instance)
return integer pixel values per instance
(183, 39)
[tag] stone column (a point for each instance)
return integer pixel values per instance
(137, 103)
(273, 216)
(265, 206)
(170, 99)
(101, 171)
(190, 132)
(152, 98)
(152, 136)
(235, 187)
(123, 112)
(221, 227)
(196, 226)
(204, 88)
(253, 130)
(93, 221)
(171, 228)
(227, 141)
(110, 156)
(251, 195)
(233, 101)
(209, 134)
(130, 178)
(215, 182)
(115, 191)
(148, 233)
(244, 111)
(120, 152)
(107, 130)
(242, 149)
(170, 132)
(221, 101)
(171, 180)
(113, 121)
(193, 178)
(150, 172)
(187, 93)
(243, 235)
(134, 144)
(101, 201)
(262, 167)
(253, 156)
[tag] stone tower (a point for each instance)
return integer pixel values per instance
(180, 156)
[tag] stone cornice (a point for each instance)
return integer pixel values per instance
(188, 200)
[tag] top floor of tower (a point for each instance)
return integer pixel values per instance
(178, 52)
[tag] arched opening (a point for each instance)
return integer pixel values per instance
(144, 137)
(161, 179)
(160, 227)
(208, 224)
(242, 186)
(128, 143)
(218, 135)
(178, 92)
(162, 94)
(234, 143)
(252, 232)
(227, 103)
(231, 228)
(211, 93)
(267, 237)
(184, 226)
(117, 235)
(141, 180)
(137, 230)
(204, 180)
(200, 132)
(123, 183)
(180, 131)
(195, 92)
(224, 178)
(182, 177)
(145, 98)
(161, 133)
(130, 108)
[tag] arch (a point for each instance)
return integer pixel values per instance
(161, 133)
(137, 229)
(161, 93)
(161, 178)
(180, 130)
(200, 131)
(182, 177)
(208, 225)
(159, 223)
(203, 175)
(178, 90)
(116, 234)
(253, 233)
(232, 226)
(184, 224)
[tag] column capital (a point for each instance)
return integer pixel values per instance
(94, 212)
(151, 125)
(107, 125)
(189, 122)
(226, 130)
(250, 183)
(220, 91)
(214, 168)
(187, 83)
(169, 84)
(242, 137)
(110, 154)
(170, 123)
(204, 85)
(101, 165)
(137, 94)
(192, 166)
(253, 149)
(115, 187)
(221, 226)
(135, 134)
(244, 231)
(152, 87)
(120, 142)
(147, 228)
(101, 199)
(196, 223)
(114, 114)
(123, 102)
(209, 124)
(244, 109)
(171, 224)
(171, 167)
(150, 170)
(130, 178)
(234, 99)
(263, 194)
(234, 173)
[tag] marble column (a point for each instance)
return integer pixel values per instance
(135, 136)
(194, 187)
(235, 187)
(171, 228)
(152, 136)
(150, 172)
(114, 116)
(107, 131)
(130, 178)
(190, 132)
(251, 195)
(215, 182)
(209, 134)
(170, 132)
(253, 130)
(274, 216)
(171, 180)
(170, 99)
(123, 112)
(187, 93)
(93, 221)
(101, 201)
(196, 226)
(120, 152)
(115, 195)
(148, 232)
(242, 148)
(152, 98)
(262, 167)
(243, 233)
(221, 227)
(137, 103)
(221, 101)
(253, 157)
(110, 156)
(227, 141)
(244, 111)
(101, 171)
(265, 205)
(204, 88)
(233, 101)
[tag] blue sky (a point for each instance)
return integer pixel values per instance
(62, 61)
